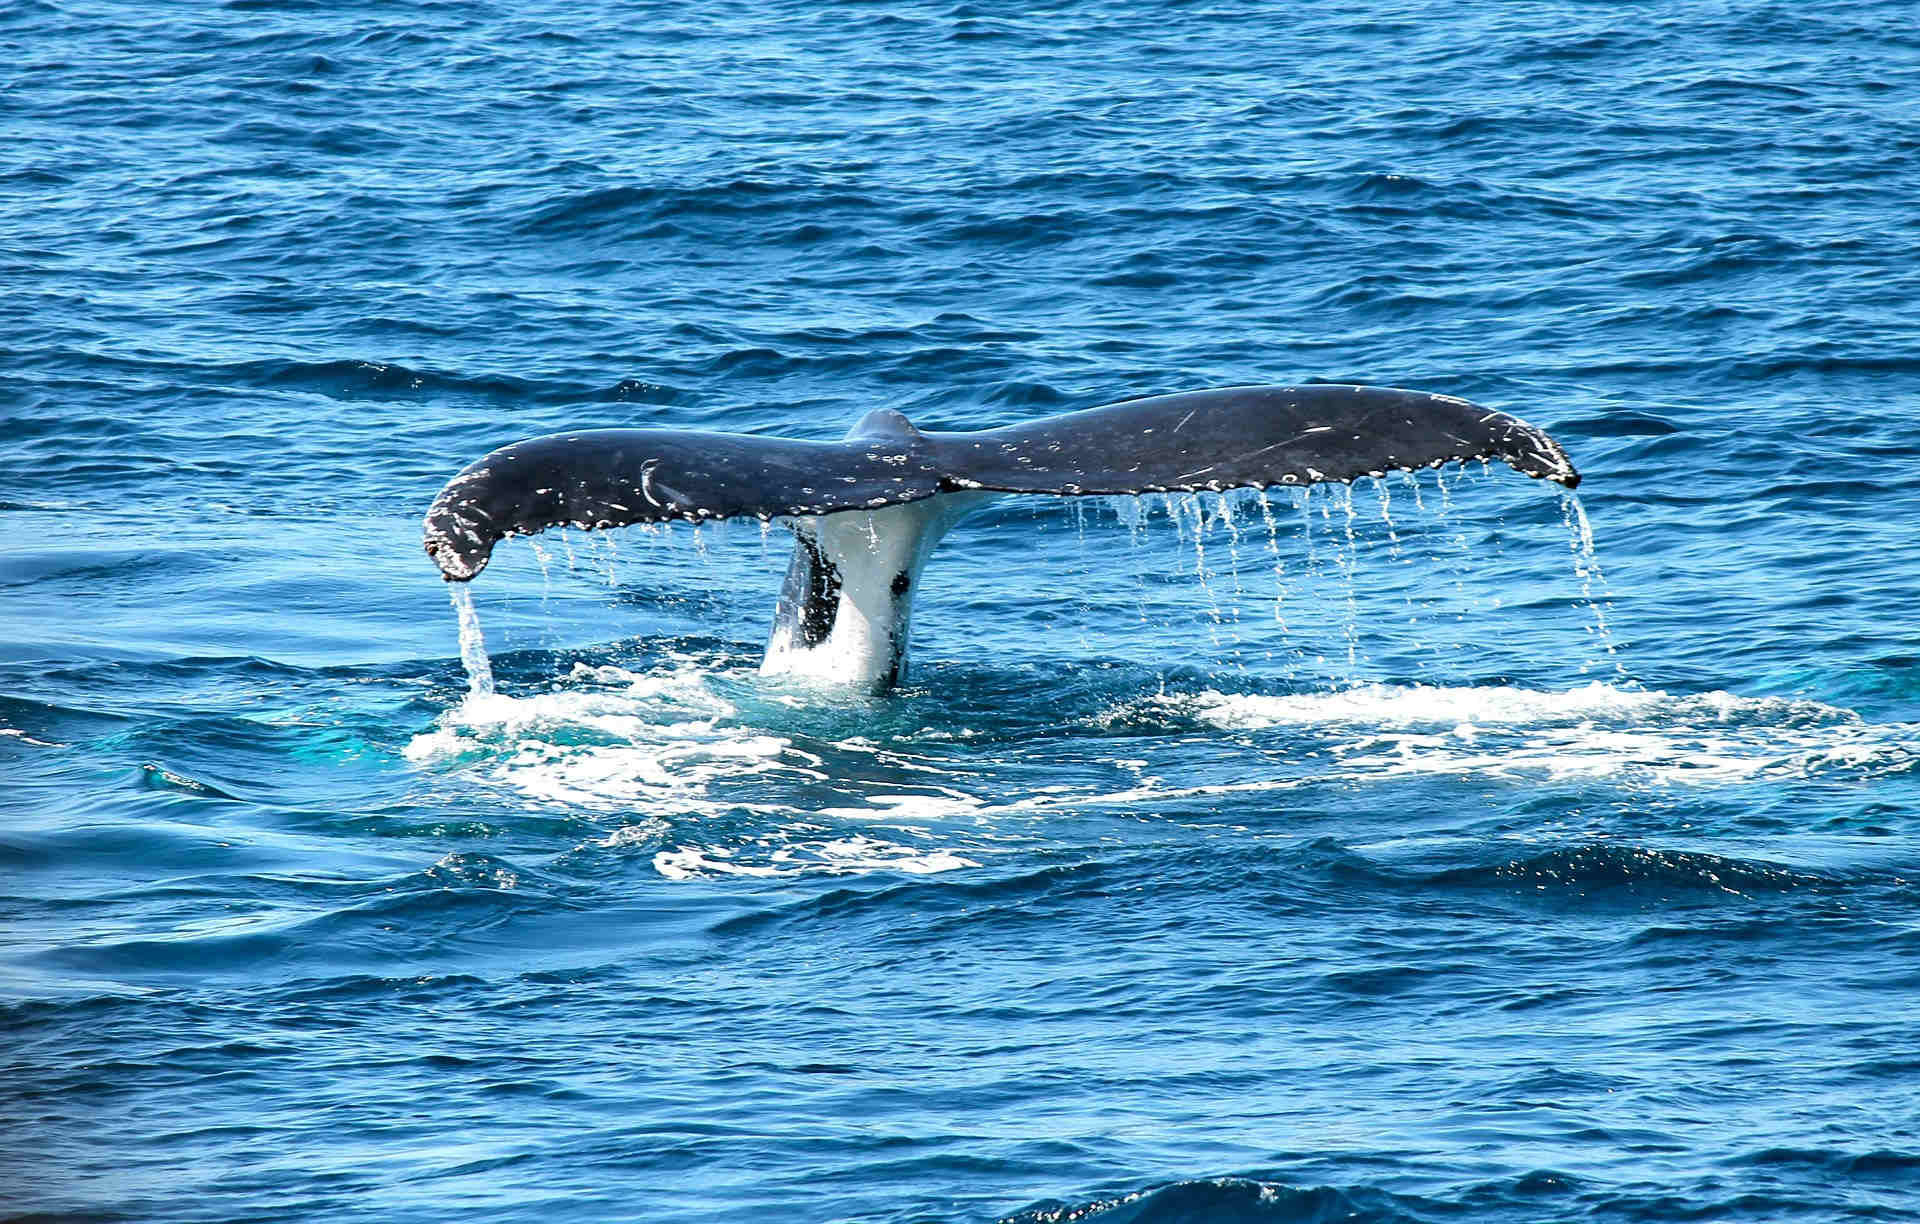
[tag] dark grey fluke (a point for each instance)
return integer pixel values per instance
(1236, 437)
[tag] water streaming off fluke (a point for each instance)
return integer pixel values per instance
(473, 647)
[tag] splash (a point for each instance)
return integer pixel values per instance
(669, 763)
(607, 739)
(473, 647)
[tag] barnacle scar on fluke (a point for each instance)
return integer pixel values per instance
(867, 511)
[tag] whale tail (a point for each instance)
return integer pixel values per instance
(867, 511)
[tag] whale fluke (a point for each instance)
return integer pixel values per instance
(868, 509)
(1236, 437)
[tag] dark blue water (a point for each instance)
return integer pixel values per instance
(1375, 854)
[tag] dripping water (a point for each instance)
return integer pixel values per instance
(1385, 497)
(604, 555)
(1085, 566)
(1222, 516)
(1132, 513)
(473, 648)
(1586, 568)
(1177, 510)
(1279, 564)
(1349, 564)
(1314, 571)
(1458, 550)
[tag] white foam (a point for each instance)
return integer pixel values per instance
(1595, 730)
(611, 740)
(831, 856)
(670, 747)
(941, 805)
(678, 771)
(1392, 705)
(23, 737)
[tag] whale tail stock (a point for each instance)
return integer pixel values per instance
(867, 510)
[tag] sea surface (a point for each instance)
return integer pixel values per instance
(1442, 848)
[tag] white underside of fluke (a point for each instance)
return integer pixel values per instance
(846, 610)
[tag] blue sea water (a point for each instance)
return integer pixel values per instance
(1379, 854)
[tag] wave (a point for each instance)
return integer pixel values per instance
(1591, 868)
(637, 212)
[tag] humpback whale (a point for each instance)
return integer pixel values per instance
(867, 511)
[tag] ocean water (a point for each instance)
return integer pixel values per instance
(1387, 853)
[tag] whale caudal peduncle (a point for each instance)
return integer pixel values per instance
(868, 510)
(846, 609)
